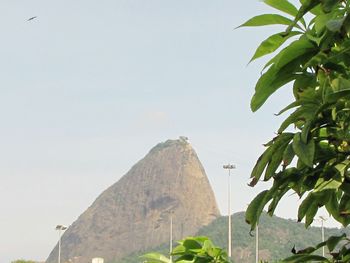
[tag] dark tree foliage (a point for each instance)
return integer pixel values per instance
(315, 133)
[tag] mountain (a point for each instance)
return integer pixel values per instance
(277, 237)
(134, 214)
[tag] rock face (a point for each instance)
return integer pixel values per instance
(134, 213)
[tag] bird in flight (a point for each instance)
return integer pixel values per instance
(33, 17)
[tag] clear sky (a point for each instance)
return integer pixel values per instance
(89, 87)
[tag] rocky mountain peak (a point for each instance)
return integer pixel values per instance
(134, 213)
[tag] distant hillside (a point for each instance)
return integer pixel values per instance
(277, 236)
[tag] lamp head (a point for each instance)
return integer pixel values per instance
(229, 166)
(322, 218)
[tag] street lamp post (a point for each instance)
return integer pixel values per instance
(229, 167)
(60, 228)
(322, 231)
(257, 244)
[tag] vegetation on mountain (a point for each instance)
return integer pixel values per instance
(317, 65)
(277, 237)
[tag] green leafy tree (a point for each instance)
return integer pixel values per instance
(191, 249)
(315, 133)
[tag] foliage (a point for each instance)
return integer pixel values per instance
(342, 255)
(191, 249)
(316, 62)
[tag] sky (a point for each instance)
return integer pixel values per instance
(88, 87)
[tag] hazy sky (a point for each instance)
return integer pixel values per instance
(89, 87)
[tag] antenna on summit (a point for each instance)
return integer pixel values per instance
(183, 138)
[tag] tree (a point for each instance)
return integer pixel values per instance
(316, 135)
(191, 249)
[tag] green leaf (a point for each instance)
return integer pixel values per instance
(186, 259)
(316, 60)
(207, 245)
(283, 182)
(260, 165)
(283, 5)
(305, 151)
(304, 206)
(191, 244)
(302, 83)
(256, 207)
(344, 209)
(345, 187)
(316, 10)
(327, 5)
(277, 197)
(335, 25)
(285, 67)
(178, 250)
(288, 155)
(310, 205)
(266, 157)
(321, 21)
(346, 24)
(292, 118)
(307, 5)
(340, 84)
(315, 39)
(296, 49)
(275, 161)
(155, 258)
(333, 241)
(342, 167)
(332, 206)
(267, 19)
(271, 44)
(268, 83)
(310, 214)
(329, 184)
(290, 106)
(299, 47)
(307, 250)
(306, 129)
(304, 258)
